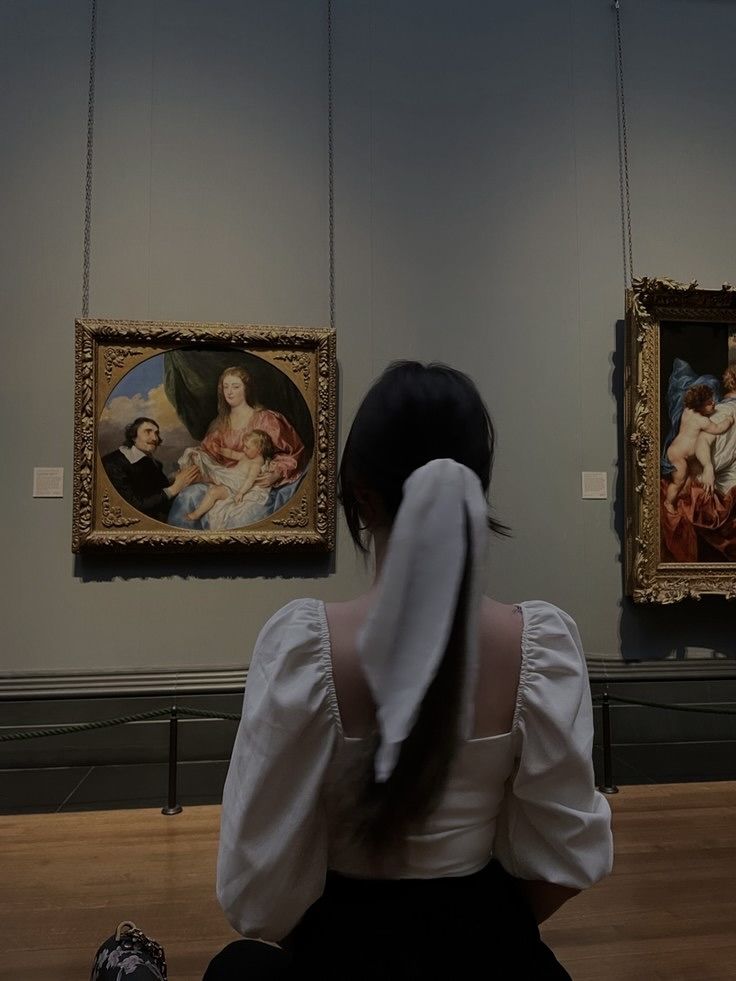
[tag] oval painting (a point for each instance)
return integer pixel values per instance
(206, 439)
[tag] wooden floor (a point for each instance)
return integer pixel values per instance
(668, 910)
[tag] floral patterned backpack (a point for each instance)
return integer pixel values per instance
(129, 955)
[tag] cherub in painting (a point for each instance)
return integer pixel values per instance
(239, 482)
(693, 443)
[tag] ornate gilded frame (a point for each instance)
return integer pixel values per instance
(107, 349)
(650, 303)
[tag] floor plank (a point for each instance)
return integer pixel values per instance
(667, 911)
(669, 908)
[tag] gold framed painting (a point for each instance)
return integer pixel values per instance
(680, 422)
(204, 436)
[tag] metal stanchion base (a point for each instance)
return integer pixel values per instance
(608, 790)
(172, 810)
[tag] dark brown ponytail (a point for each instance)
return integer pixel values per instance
(386, 812)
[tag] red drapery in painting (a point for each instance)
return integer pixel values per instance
(702, 523)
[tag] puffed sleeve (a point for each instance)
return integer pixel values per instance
(273, 846)
(553, 824)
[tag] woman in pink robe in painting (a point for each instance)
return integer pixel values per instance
(236, 418)
(223, 444)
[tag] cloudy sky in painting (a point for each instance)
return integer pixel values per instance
(141, 393)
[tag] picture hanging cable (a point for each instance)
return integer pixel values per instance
(623, 156)
(330, 163)
(88, 179)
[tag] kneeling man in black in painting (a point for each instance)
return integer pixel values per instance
(138, 477)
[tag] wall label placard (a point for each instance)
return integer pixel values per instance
(594, 485)
(48, 481)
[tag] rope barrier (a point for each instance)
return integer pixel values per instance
(661, 705)
(107, 723)
(232, 717)
(207, 714)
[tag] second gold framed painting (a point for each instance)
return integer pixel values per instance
(204, 436)
(681, 430)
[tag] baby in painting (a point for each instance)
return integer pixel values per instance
(238, 483)
(694, 440)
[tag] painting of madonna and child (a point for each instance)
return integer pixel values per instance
(698, 442)
(206, 440)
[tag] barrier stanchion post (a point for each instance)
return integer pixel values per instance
(608, 787)
(172, 806)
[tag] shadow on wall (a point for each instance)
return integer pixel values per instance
(693, 628)
(200, 565)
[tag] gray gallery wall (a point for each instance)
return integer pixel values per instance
(477, 222)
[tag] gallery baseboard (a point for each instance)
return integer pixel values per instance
(602, 668)
(16, 686)
(115, 684)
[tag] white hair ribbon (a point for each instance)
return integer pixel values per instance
(406, 633)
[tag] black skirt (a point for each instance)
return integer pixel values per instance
(476, 926)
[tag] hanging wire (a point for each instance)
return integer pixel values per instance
(90, 144)
(623, 155)
(331, 162)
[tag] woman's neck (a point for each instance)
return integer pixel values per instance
(379, 541)
(240, 415)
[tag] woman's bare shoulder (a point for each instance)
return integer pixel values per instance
(357, 709)
(500, 623)
(348, 609)
(499, 664)
(344, 619)
(503, 624)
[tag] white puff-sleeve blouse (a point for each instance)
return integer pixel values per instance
(526, 797)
